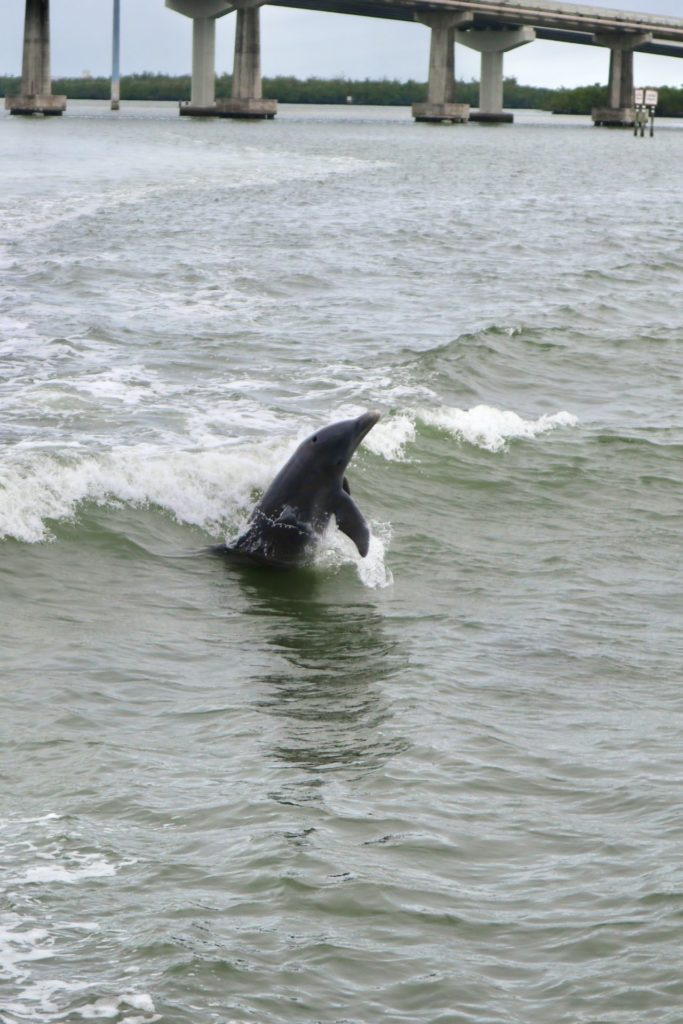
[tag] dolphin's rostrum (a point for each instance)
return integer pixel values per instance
(287, 522)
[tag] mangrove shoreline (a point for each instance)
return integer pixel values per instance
(386, 92)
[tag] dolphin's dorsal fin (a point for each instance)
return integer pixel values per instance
(351, 522)
(345, 486)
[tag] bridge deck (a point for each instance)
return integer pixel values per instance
(557, 17)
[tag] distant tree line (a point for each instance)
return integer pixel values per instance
(387, 92)
(285, 88)
(583, 99)
(578, 101)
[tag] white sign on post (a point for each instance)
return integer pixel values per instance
(651, 97)
(638, 97)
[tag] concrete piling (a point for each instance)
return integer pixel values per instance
(203, 14)
(36, 85)
(619, 113)
(441, 105)
(203, 95)
(247, 92)
(492, 44)
(115, 56)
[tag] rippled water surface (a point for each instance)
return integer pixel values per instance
(441, 785)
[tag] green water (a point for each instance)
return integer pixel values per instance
(441, 785)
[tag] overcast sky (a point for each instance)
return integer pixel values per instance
(305, 43)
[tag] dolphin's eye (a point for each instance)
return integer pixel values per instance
(314, 438)
(340, 462)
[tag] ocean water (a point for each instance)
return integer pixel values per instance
(441, 785)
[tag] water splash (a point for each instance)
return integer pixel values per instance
(336, 550)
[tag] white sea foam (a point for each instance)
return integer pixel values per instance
(128, 385)
(483, 426)
(213, 487)
(113, 1007)
(373, 570)
(491, 428)
(20, 946)
(77, 868)
(13, 823)
(198, 488)
(37, 999)
(390, 437)
(336, 550)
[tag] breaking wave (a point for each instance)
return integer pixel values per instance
(483, 426)
(214, 489)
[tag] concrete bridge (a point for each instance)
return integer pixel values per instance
(491, 27)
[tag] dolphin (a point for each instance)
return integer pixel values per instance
(286, 524)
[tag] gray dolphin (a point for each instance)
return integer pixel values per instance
(285, 525)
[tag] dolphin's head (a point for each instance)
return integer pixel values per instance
(331, 448)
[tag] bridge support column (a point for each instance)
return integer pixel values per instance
(247, 94)
(115, 102)
(203, 92)
(619, 111)
(492, 44)
(441, 105)
(36, 85)
(204, 14)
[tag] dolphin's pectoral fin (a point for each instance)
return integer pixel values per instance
(345, 486)
(351, 522)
